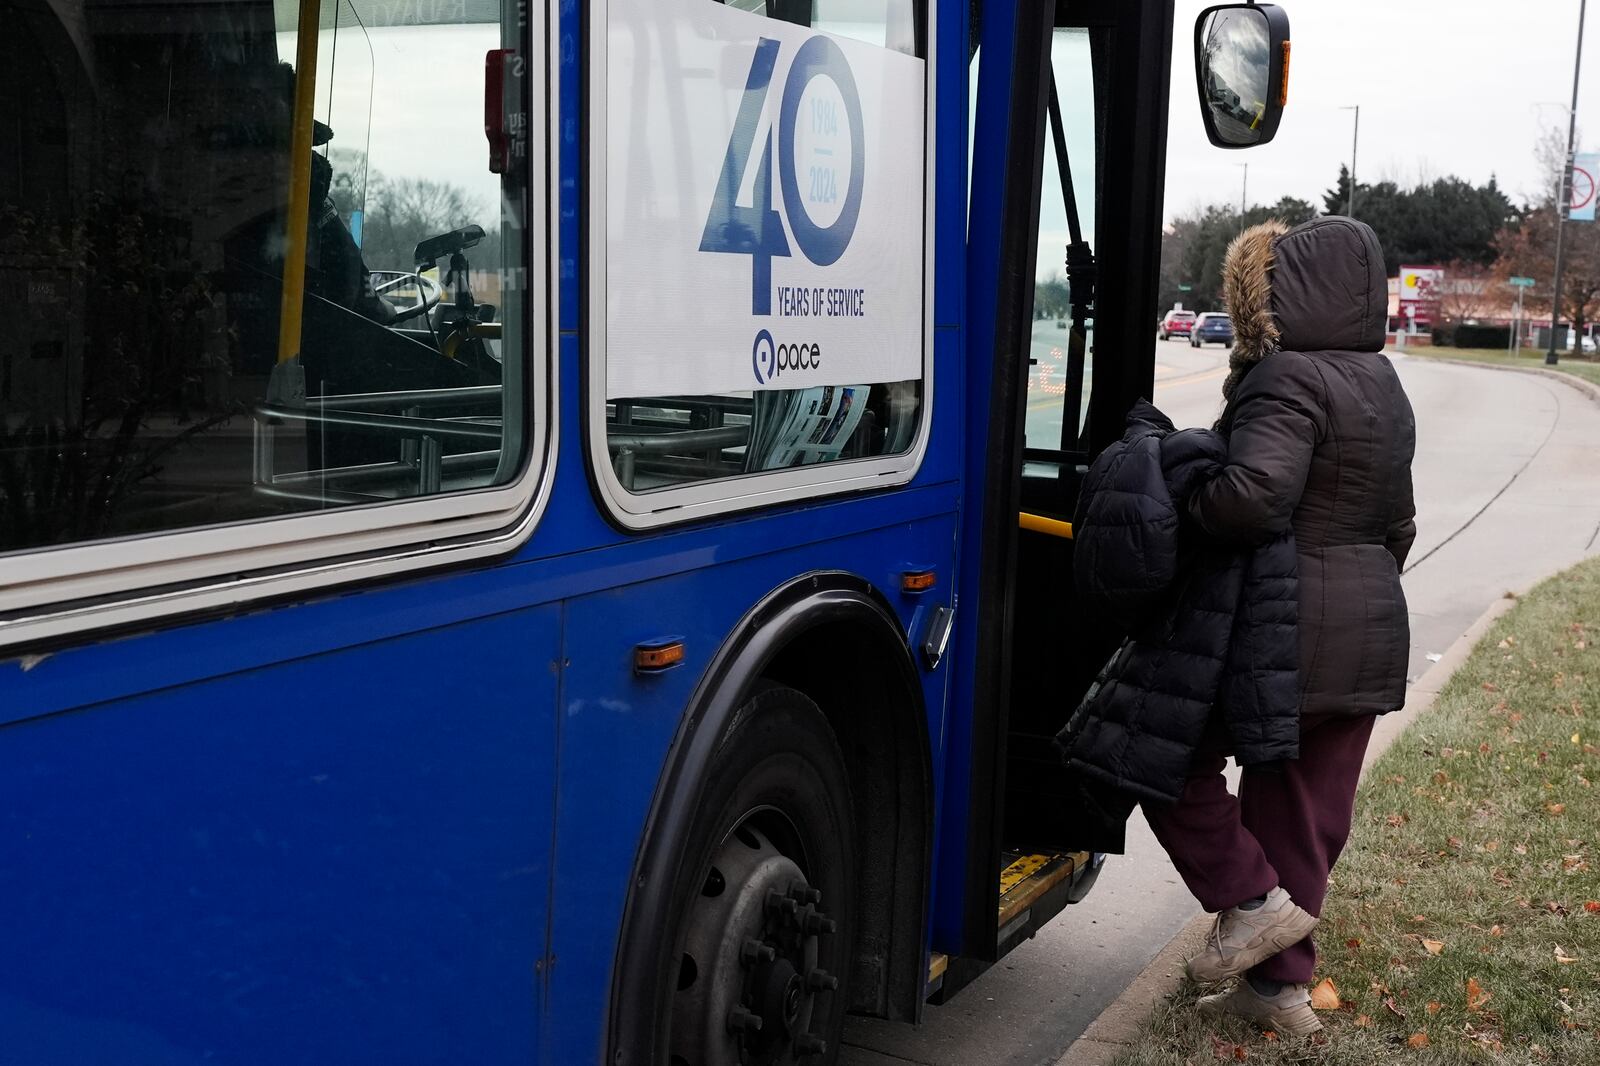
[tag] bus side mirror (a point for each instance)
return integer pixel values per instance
(1241, 64)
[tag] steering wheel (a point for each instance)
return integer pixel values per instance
(429, 292)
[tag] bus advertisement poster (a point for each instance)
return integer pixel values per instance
(764, 191)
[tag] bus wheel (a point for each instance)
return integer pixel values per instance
(766, 920)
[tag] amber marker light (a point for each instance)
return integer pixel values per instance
(918, 580)
(1283, 85)
(657, 655)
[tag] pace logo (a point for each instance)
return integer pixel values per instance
(770, 359)
(821, 166)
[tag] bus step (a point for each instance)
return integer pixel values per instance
(1033, 888)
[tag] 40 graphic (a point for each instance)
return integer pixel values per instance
(821, 166)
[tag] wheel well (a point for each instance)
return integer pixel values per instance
(850, 670)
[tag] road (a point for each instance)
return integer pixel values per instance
(1508, 492)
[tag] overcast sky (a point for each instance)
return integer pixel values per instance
(1445, 86)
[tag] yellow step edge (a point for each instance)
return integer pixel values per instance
(1031, 876)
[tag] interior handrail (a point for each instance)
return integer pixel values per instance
(1050, 527)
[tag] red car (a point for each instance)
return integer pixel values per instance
(1176, 324)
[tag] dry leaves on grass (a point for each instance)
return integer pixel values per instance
(1227, 1050)
(1477, 996)
(1562, 956)
(1325, 996)
(1433, 947)
(1417, 1040)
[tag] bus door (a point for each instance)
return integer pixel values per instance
(1082, 89)
(1085, 356)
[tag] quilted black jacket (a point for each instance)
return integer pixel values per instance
(1212, 628)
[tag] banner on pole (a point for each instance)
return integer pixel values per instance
(1585, 169)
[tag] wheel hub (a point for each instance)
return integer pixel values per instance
(748, 980)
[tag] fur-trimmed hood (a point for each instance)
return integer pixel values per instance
(1320, 286)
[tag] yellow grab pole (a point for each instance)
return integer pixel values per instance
(294, 260)
(1052, 527)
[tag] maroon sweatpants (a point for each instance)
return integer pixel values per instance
(1285, 828)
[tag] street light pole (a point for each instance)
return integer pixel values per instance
(1564, 200)
(1355, 142)
(1244, 188)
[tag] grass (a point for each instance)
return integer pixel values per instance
(1578, 366)
(1463, 923)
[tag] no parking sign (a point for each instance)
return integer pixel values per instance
(1585, 171)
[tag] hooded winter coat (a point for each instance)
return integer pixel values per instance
(1320, 441)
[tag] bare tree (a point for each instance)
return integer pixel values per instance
(1467, 291)
(1529, 249)
(402, 212)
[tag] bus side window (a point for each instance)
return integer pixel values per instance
(166, 366)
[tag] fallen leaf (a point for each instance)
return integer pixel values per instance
(1592, 906)
(1556, 808)
(1434, 1006)
(1394, 1008)
(1355, 942)
(1325, 996)
(1483, 749)
(1495, 930)
(1493, 845)
(1476, 996)
(1454, 842)
(1398, 820)
(1555, 908)
(1433, 947)
(1562, 956)
(1269, 1035)
(1417, 1040)
(1226, 1050)
(1490, 686)
(1363, 1021)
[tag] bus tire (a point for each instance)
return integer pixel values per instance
(764, 909)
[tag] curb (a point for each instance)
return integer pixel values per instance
(1123, 1022)
(1589, 390)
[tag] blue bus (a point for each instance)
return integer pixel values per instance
(541, 532)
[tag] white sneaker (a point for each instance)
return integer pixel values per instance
(1242, 938)
(1289, 1012)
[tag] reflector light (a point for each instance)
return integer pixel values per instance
(656, 656)
(918, 580)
